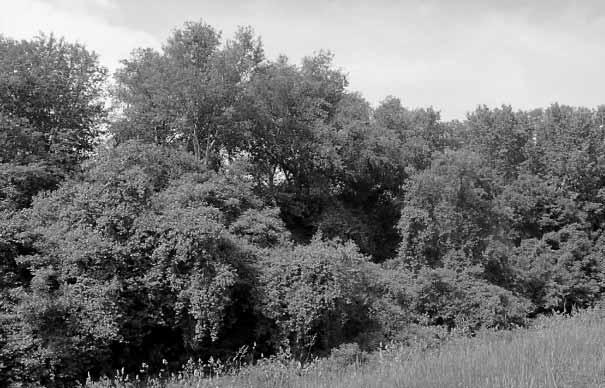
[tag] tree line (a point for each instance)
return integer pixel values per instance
(236, 200)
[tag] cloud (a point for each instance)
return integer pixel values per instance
(449, 54)
(106, 3)
(76, 21)
(456, 55)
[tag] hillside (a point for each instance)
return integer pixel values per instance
(555, 352)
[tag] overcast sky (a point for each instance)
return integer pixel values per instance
(449, 54)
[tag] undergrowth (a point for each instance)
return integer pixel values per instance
(557, 351)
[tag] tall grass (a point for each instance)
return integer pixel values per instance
(558, 352)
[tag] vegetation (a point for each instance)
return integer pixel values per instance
(557, 352)
(239, 201)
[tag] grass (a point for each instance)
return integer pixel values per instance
(555, 353)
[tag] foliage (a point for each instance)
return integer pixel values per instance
(501, 136)
(564, 352)
(50, 110)
(447, 210)
(561, 271)
(186, 93)
(241, 202)
(317, 294)
(465, 302)
(139, 249)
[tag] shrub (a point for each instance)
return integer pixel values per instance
(464, 301)
(133, 263)
(316, 294)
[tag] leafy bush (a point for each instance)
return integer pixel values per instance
(137, 257)
(461, 300)
(316, 294)
(562, 270)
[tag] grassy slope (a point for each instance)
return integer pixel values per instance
(562, 352)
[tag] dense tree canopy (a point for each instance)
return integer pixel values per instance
(186, 93)
(50, 109)
(241, 200)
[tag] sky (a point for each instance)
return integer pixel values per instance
(449, 54)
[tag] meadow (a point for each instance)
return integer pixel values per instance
(557, 351)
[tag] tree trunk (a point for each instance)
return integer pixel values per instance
(209, 144)
(207, 153)
(196, 144)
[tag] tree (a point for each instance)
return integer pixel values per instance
(447, 214)
(287, 134)
(148, 255)
(50, 110)
(365, 183)
(500, 136)
(419, 131)
(562, 270)
(532, 206)
(186, 93)
(287, 108)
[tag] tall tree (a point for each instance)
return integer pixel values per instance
(288, 136)
(500, 136)
(420, 131)
(287, 108)
(51, 106)
(186, 93)
(447, 215)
